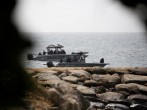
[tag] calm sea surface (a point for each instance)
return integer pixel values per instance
(118, 49)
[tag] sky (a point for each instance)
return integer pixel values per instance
(75, 16)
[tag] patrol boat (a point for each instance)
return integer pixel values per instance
(56, 53)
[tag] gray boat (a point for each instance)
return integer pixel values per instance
(56, 53)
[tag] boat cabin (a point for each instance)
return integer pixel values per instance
(55, 49)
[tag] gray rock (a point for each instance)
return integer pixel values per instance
(110, 96)
(67, 98)
(98, 70)
(95, 77)
(86, 90)
(129, 78)
(138, 71)
(90, 83)
(138, 107)
(51, 83)
(46, 76)
(71, 79)
(93, 99)
(97, 105)
(107, 80)
(100, 89)
(114, 106)
(117, 70)
(80, 73)
(132, 88)
(62, 75)
(137, 99)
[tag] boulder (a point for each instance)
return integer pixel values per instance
(46, 76)
(100, 89)
(110, 96)
(67, 98)
(107, 80)
(138, 107)
(71, 79)
(117, 70)
(79, 73)
(113, 106)
(51, 83)
(97, 105)
(138, 71)
(93, 99)
(129, 78)
(137, 99)
(62, 75)
(131, 87)
(90, 83)
(98, 70)
(86, 90)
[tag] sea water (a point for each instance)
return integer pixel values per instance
(118, 49)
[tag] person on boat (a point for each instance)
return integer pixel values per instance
(75, 59)
(44, 52)
(50, 52)
(40, 53)
(63, 51)
(68, 59)
(102, 60)
(61, 60)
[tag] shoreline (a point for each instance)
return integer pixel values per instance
(93, 88)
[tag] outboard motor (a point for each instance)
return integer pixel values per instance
(50, 64)
(30, 57)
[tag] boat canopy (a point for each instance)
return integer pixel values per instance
(55, 46)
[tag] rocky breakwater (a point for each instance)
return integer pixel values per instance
(94, 88)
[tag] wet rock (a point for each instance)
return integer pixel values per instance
(46, 76)
(129, 78)
(107, 80)
(110, 96)
(62, 75)
(113, 106)
(90, 83)
(71, 79)
(80, 74)
(138, 107)
(138, 99)
(86, 90)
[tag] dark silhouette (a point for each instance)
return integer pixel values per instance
(140, 6)
(13, 79)
(68, 60)
(44, 52)
(102, 60)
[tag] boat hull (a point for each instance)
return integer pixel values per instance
(56, 57)
(81, 64)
